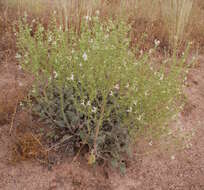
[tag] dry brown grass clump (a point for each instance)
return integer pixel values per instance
(28, 146)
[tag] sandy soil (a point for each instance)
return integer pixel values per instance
(156, 167)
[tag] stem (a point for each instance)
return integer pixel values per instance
(62, 106)
(98, 125)
(13, 117)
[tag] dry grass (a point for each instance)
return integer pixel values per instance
(27, 146)
(176, 15)
(172, 21)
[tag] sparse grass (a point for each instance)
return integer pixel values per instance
(176, 16)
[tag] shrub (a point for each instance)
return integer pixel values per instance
(90, 88)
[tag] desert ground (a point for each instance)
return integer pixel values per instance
(172, 162)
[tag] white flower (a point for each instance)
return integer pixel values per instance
(20, 83)
(18, 56)
(151, 51)
(117, 87)
(170, 133)
(127, 86)
(194, 58)
(189, 145)
(165, 61)
(191, 43)
(19, 67)
(33, 91)
(97, 12)
(162, 77)
(72, 77)
(146, 93)
(135, 102)
(21, 104)
(94, 110)
(156, 42)
(129, 110)
(111, 93)
(88, 18)
(141, 52)
(41, 29)
(55, 74)
(139, 118)
(82, 103)
(88, 103)
(50, 38)
(106, 36)
(85, 57)
(150, 143)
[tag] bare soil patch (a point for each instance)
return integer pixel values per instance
(156, 169)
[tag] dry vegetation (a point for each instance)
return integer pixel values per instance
(172, 22)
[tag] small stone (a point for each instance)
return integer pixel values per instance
(172, 157)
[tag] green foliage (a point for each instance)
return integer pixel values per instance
(90, 87)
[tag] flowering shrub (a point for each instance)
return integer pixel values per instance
(92, 90)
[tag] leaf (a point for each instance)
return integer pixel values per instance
(65, 138)
(114, 163)
(122, 168)
(60, 123)
(70, 115)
